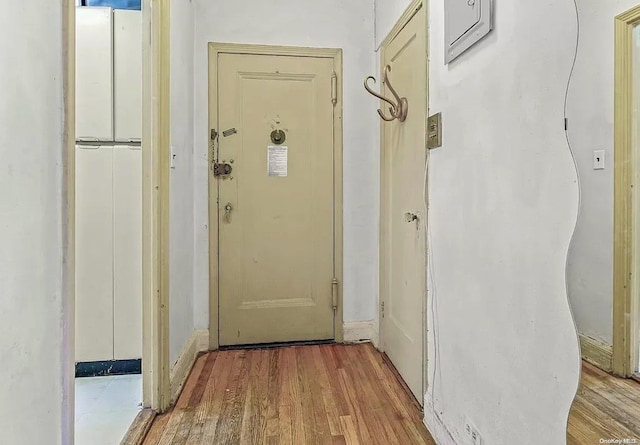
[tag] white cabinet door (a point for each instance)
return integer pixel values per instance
(127, 63)
(94, 253)
(94, 74)
(127, 220)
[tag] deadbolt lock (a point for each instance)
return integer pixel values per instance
(222, 169)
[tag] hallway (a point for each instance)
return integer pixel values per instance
(328, 394)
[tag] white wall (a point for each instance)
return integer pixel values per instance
(331, 23)
(36, 348)
(181, 316)
(590, 113)
(503, 205)
(387, 14)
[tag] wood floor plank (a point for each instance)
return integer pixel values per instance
(325, 395)
(254, 421)
(157, 429)
(606, 407)
(208, 411)
(357, 416)
(179, 423)
(139, 428)
(192, 396)
(285, 425)
(292, 395)
(229, 426)
(315, 415)
(386, 416)
(195, 393)
(332, 366)
(273, 395)
(329, 402)
(370, 400)
(349, 431)
(338, 440)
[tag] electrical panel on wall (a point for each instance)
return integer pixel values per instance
(466, 22)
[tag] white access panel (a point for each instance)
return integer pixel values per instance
(94, 74)
(94, 253)
(127, 220)
(461, 17)
(127, 63)
(466, 22)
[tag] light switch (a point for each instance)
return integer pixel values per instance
(598, 160)
(434, 131)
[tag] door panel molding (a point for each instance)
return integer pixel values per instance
(228, 48)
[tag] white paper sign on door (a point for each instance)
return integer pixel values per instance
(277, 160)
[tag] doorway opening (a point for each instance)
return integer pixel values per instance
(108, 223)
(118, 194)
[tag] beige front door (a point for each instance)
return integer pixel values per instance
(402, 233)
(275, 213)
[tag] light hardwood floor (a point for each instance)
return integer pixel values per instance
(606, 407)
(327, 394)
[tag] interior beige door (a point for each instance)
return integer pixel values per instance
(276, 208)
(403, 250)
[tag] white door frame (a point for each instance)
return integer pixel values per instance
(626, 247)
(231, 48)
(408, 14)
(155, 201)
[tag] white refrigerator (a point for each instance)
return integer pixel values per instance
(108, 186)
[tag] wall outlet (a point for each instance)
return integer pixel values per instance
(598, 160)
(472, 433)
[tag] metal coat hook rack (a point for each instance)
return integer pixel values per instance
(399, 108)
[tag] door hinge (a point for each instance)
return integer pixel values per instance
(334, 294)
(382, 309)
(334, 88)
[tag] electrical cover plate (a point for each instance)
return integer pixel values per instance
(434, 131)
(466, 22)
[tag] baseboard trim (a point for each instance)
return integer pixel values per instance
(360, 332)
(597, 353)
(197, 343)
(109, 367)
(435, 426)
